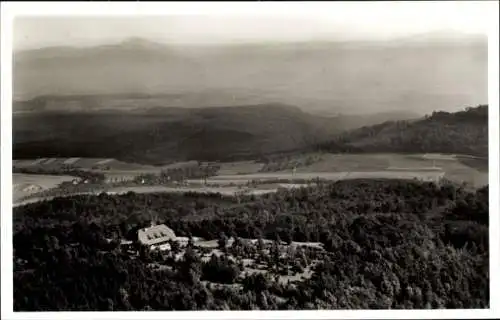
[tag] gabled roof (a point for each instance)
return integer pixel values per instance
(155, 234)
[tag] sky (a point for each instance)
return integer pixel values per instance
(337, 21)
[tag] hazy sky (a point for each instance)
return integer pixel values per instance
(343, 22)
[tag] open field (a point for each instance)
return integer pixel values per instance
(438, 156)
(27, 184)
(239, 179)
(114, 170)
(364, 162)
(234, 177)
(458, 168)
(154, 189)
(480, 164)
(82, 163)
(240, 167)
(261, 189)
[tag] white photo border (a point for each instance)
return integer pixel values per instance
(489, 16)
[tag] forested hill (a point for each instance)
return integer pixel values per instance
(144, 129)
(464, 132)
(388, 244)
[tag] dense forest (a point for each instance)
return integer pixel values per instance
(464, 132)
(161, 135)
(388, 244)
(178, 174)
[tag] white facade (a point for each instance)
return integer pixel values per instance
(156, 237)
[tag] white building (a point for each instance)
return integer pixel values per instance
(156, 237)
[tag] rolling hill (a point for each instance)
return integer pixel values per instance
(168, 134)
(161, 135)
(139, 128)
(464, 132)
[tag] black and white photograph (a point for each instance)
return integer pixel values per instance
(334, 157)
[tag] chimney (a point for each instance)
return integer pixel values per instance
(153, 219)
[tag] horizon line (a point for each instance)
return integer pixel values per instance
(436, 36)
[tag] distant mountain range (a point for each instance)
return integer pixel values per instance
(421, 73)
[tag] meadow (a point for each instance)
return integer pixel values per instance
(249, 176)
(27, 184)
(458, 168)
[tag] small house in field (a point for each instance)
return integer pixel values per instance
(156, 237)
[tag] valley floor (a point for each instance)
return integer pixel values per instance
(251, 177)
